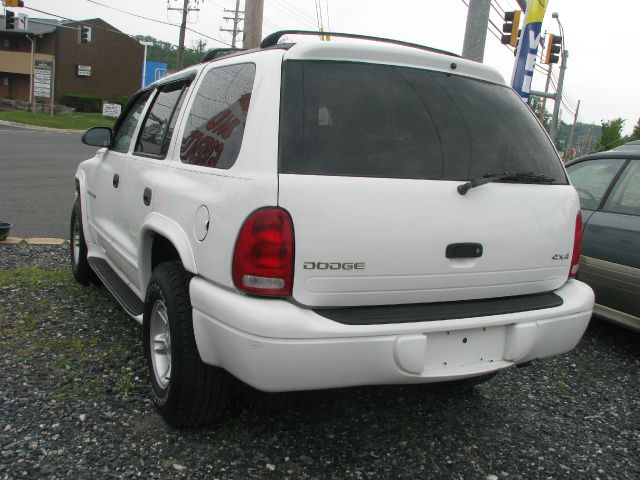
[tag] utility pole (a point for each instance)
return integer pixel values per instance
(475, 35)
(573, 129)
(593, 126)
(253, 10)
(236, 20)
(522, 4)
(546, 90)
(558, 98)
(183, 27)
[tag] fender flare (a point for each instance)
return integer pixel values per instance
(156, 223)
(79, 191)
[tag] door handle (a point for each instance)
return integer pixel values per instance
(116, 180)
(146, 196)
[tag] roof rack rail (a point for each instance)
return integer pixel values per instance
(214, 53)
(272, 40)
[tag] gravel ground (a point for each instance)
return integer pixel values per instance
(74, 403)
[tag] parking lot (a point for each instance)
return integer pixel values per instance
(74, 403)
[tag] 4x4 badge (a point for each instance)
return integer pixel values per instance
(560, 256)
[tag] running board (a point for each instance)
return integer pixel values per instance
(118, 288)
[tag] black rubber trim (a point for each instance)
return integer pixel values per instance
(272, 40)
(429, 312)
(124, 295)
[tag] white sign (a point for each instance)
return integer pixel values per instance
(84, 70)
(23, 21)
(43, 75)
(111, 109)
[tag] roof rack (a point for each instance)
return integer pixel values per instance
(215, 53)
(272, 40)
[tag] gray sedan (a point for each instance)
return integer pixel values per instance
(609, 187)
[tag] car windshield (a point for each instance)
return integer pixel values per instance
(356, 119)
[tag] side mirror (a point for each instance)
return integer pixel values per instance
(98, 137)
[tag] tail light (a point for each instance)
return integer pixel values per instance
(263, 256)
(577, 242)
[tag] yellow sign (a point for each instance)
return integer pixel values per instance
(535, 12)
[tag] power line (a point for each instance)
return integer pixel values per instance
(290, 12)
(159, 21)
(301, 14)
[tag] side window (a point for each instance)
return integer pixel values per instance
(124, 132)
(592, 179)
(156, 132)
(215, 127)
(625, 197)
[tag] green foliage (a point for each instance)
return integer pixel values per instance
(167, 53)
(77, 121)
(83, 103)
(121, 101)
(635, 135)
(611, 135)
(33, 277)
(543, 115)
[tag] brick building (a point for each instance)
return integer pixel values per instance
(109, 66)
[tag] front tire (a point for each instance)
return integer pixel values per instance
(78, 248)
(186, 391)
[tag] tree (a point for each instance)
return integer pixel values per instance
(635, 135)
(544, 116)
(611, 135)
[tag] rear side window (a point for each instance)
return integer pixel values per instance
(592, 179)
(369, 120)
(215, 126)
(156, 132)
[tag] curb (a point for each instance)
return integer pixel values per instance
(34, 241)
(36, 127)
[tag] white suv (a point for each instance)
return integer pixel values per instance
(325, 215)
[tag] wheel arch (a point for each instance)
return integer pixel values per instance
(162, 239)
(80, 193)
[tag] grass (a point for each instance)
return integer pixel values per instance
(33, 277)
(77, 121)
(45, 315)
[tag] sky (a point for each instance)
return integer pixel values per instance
(603, 71)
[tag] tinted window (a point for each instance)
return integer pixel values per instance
(155, 135)
(215, 126)
(126, 127)
(385, 121)
(625, 196)
(592, 179)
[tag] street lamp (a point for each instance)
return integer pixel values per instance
(553, 133)
(556, 15)
(144, 62)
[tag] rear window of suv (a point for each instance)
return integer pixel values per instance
(355, 119)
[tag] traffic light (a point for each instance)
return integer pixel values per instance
(554, 46)
(85, 34)
(10, 20)
(510, 27)
(14, 3)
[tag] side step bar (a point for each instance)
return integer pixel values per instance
(125, 296)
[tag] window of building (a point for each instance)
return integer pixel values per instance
(215, 126)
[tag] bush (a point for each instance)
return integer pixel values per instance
(83, 103)
(121, 101)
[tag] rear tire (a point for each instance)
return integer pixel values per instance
(186, 391)
(80, 267)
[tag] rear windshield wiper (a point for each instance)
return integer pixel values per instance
(520, 177)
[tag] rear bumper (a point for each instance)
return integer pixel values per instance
(275, 345)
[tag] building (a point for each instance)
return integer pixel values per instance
(108, 65)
